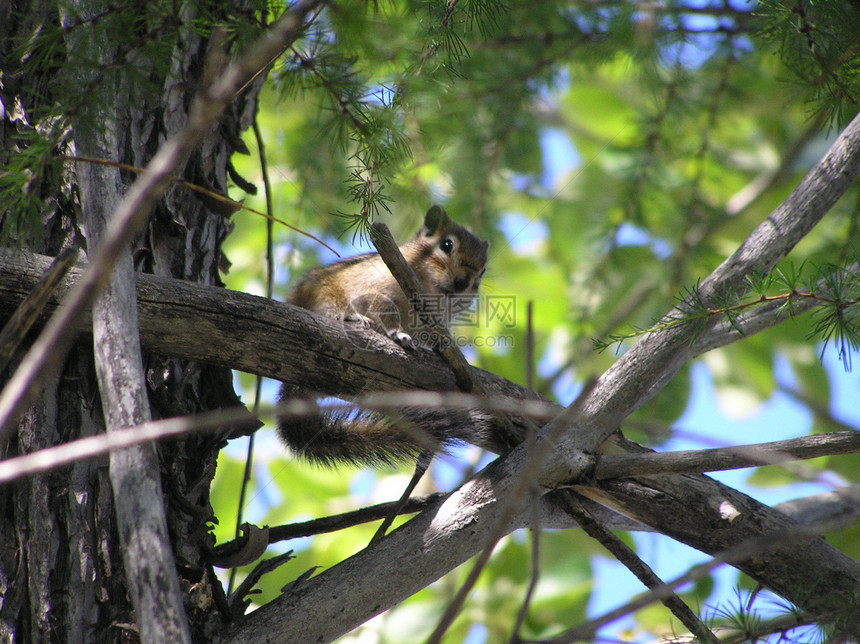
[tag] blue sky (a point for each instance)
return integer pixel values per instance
(777, 419)
(704, 424)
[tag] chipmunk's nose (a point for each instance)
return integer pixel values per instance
(462, 283)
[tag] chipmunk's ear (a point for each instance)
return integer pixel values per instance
(435, 219)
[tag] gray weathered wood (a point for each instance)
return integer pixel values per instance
(278, 340)
(150, 568)
(296, 346)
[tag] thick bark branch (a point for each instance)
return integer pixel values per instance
(260, 336)
(646, 368)
(150, 567)
(132, 213)
(280, 341)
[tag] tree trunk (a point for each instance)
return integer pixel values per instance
(62, 572)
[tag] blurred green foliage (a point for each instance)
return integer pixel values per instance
(613, 153)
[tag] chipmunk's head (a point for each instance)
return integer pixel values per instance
(455, 258)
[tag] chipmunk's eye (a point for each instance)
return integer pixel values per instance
(447, 246)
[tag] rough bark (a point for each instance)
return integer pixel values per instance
(62, 574)
(43, 518)
(274, 339)
(259, 336)
(135, 479)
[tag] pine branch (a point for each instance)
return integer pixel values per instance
(361, 119)
(818, 43)
(833, 294)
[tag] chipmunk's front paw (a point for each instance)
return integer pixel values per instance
(366, 322)
(402, 338)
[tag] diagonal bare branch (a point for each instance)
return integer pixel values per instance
(646, 368)
(51, 346)
(463, 523)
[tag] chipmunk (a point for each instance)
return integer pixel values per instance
(448, 260)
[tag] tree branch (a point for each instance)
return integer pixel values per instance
(150, 568)
(625, 555)
(726, 458)
(260, 336)
(277, 340)
(646, 368)
(763, 317)
(132, 213)
(28, 311)
(408, 282)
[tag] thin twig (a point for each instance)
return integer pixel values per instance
(818, 407)
(441, 338)
(353, 518)
(759, 186)
(405, 276)
(797, 300)
(270, 282)
(634, 564)
(766, 315)
(530, 345)
(421, 466)
(209, 194)
(91, 446)
(585, 632)
(535, 570)
(236, 600)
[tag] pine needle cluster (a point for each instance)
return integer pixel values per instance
(39, 114)
(834, 292)
(820, 44)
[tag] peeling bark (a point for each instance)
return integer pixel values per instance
(62, 574)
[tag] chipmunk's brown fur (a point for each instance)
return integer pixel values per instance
(448, 261)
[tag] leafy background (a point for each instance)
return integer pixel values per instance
(613, 153)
